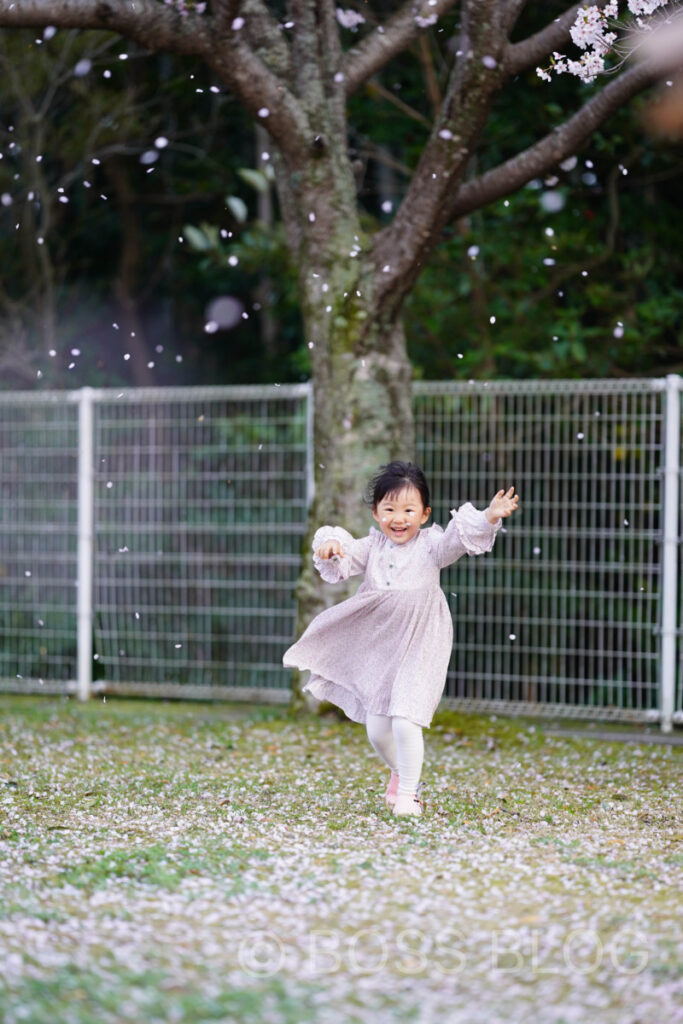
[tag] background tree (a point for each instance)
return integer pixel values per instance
(295, 70)
(100, 169)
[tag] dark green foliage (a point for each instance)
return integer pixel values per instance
(608, 304)
(119, 260)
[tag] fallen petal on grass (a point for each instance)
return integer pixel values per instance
(179, 862)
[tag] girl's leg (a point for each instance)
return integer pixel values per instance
(381, 739)
(409, 754)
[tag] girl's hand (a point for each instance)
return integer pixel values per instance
(503, 504)
(329, 549)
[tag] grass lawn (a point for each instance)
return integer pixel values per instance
(168, 862)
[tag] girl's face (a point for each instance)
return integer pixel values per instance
(401, 515)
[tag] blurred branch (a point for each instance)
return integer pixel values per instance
(381, 156)
(559, 144)
(607, 250)
(16, 358)
(431, 84)
(159, 26)
(154, 25)
(386, 41)
(376, 88)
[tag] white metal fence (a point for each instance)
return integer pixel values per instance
(38, 540)
(150, 541)
(570, 614)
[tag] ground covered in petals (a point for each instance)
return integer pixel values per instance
(176, 862)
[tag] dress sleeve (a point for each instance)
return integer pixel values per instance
(354, 560)
(469, 532)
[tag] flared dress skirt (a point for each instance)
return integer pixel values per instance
(379, 653)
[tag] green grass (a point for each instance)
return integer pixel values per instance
(166, 862)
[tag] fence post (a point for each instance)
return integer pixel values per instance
(669, 556)
(310, 453)
(85, 541)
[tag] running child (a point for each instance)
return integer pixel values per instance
(382, 655)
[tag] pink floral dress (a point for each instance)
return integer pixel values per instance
(385, 651)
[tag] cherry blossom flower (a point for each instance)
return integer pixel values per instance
(592, 33)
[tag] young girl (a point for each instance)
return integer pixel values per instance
(382, 655)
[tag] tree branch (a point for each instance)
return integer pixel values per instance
(386, 41)
(513, 9)
(262, 32)
(331, 58)
(158, 27)
(559, 144)
(527, 53)
(472, 88)
(430, 79)
(375, 88)
(153, 25)
(331, 48)
(308, 66)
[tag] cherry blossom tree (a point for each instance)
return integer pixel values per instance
(596, 32)
(294, 66)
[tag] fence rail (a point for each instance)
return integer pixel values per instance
(150, 541)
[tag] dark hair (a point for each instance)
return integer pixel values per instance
(393, 478)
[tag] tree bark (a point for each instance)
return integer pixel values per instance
(363, 418)
(361, 372)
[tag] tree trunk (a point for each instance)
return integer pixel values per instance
(362, 377)
(362, 418)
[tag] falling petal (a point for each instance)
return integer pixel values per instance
(552, 201)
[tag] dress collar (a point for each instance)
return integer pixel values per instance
(408, 544)
(390, 543)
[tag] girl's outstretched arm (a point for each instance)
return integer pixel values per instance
(503, 504)
(470, 531)
(337, 555)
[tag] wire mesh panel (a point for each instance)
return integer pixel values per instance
(200, 505)
(200, 499)
(38, 517)
(565, 612)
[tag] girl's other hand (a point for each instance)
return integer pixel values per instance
(503, 504)
(329, 549)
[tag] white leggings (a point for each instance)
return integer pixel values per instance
(399, 743)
